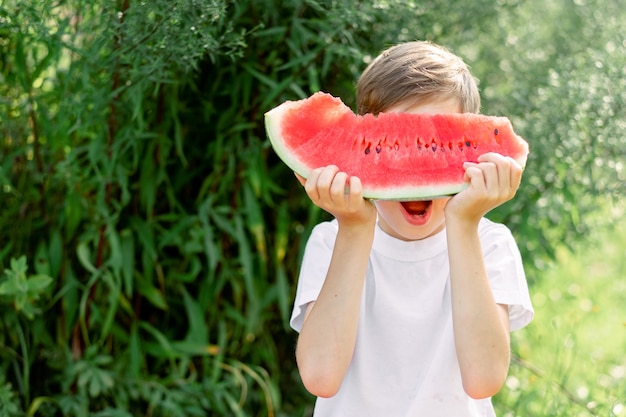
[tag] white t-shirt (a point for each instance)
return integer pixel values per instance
(404, 362)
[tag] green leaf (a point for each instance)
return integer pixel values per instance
(37, 403)
(42, 264)
(154, 295)
(198, 331)
(270, 82)
(111, 310)
(254, 220)
(283, 292)
(135, 356)
(115, 261)
(166, 348)
(73, 213)
(128, 261)
(55, 253)
(84, 255)
(37, 284)
(18, 267)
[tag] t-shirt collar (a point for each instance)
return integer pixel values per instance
(415, 250)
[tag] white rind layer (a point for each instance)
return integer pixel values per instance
(272, 127)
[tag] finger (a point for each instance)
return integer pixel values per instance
(497, 158)
(516, 173)
(310, 186)
(467, 165)
(355, 192)
(324, 182)
(490, 157)
(493, 166)
(338, 187)
(491, 176)
(325, 179)
(475, 176)
(509, 172)
(504, 175)
(484, 171)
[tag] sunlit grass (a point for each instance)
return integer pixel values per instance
(571, 360)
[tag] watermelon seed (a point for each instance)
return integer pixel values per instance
(378, 148)
(495, 132)
(367, 150)
(468, 143)
(434, 148)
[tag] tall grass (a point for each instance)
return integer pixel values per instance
(571, 360)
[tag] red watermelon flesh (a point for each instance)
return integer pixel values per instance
(397, 156)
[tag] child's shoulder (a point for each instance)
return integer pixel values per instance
(490, 230)
(325, 232)
(326, 226)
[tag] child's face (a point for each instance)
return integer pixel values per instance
(415, 220)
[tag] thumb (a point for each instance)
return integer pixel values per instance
(300, 178)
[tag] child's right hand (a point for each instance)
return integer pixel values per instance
(340, 195)
(328, 335)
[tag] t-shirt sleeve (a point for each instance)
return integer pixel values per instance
(506, 274)
(315, 263)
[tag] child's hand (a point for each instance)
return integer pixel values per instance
(493, 181)
(340, 195)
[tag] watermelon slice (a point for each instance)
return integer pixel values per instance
(397, 156)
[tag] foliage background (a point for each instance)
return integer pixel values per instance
(150, 236)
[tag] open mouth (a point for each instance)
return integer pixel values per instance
(417, 212)
(417, 208)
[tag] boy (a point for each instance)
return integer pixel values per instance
(405, 308)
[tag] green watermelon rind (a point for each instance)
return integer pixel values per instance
(413, 194)
(272, 127)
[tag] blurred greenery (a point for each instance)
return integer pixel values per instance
(570, 362)
(149, 236)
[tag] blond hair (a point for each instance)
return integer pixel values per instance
(416, 72)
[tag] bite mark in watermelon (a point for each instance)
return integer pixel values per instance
(397, 156)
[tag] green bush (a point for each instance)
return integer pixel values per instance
(160, 303)
(564, 88)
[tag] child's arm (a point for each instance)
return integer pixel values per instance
(328, 334)
(481, 327)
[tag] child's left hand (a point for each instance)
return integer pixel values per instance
(493, 181)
